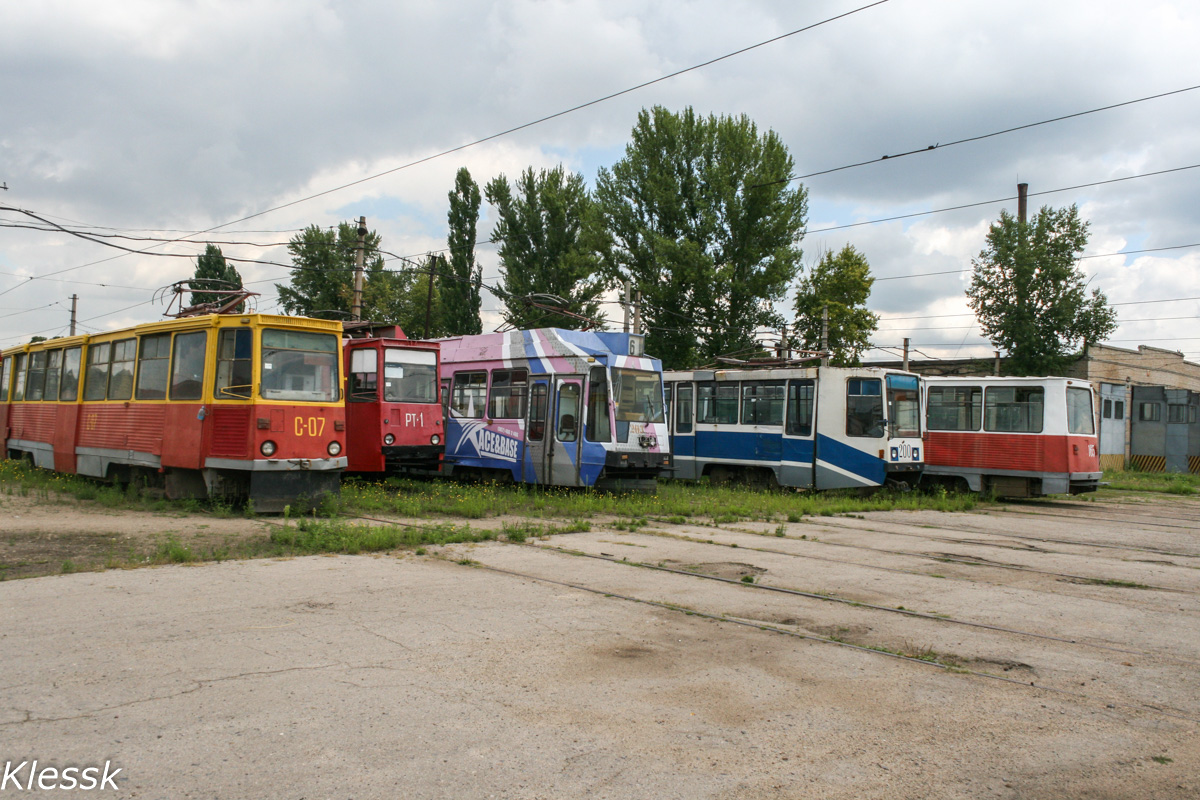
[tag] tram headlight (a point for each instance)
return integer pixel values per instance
(435, 439)
(389, 439)
(334, 448)
(267, 448)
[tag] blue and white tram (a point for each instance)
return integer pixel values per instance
(554, 407)
(812, 428)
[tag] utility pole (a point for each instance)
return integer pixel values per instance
(824, 336)
(906, 341)
(1022, 201)
(433, 261)
(74, 306)
(637, 312)
(625, 305)
(784, 351)
(997, 367)
(359, 255)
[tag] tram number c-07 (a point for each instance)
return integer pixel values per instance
(310, 426)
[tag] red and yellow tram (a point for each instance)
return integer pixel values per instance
(222, 405)
(393, 417)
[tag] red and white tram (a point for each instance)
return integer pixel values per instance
(1015, 437)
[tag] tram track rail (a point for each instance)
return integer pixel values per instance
(1109, 704)
(941, 558)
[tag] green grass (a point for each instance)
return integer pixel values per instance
(675, 502)
(1161, 482)
(338, 536)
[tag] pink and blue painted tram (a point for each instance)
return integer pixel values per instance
(554, 407)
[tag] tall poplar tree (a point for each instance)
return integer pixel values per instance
(548, 234)
(704, 221)
(461, 276)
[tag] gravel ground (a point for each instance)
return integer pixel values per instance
(1035, 651)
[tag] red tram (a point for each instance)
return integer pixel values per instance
(222, 405)
(393, 417)
(1016, 437)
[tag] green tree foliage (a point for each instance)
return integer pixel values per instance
(548, 232)
(322, 283)
(1031, 297)
(460, 279)
(842, 283)
(212, 272)
(403, 298)
(705, 224)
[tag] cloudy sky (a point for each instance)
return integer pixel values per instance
(152, 118)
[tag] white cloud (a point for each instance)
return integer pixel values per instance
(182, 115)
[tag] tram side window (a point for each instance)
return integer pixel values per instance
(1013, 409)
(53, 374)
(235, 349)
(1080, 417)
(507, 400)
(187, 365)
(19, 383)
(95, 386)
(68, 389)
(683, 409)
(364, 375)
(35, 381)
(1107, 406)
(954, 408)
(5, 375)
(568, 412)
(538, 401)
(762, 403)
(717, 404)
(120, 380)
(469, 393)
(1119, 409)
(864, 407)
(800, 407)
(599, 424)
(153, 360)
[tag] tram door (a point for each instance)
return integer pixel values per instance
(535, 464)
(567, 431)
(798, 464)
(683, 439)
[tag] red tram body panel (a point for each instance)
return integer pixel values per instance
(235, 406)
(1016, 437)
(393, 414)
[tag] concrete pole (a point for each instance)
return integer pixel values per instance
(1022, 201)
(359, 256)
(906, 341)
(825, 335)
(74, 306)
(625, 305)
(637, 312)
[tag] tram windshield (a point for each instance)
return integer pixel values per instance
(410, 376)
(299, 366)
(638, 395)
(904, 405)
